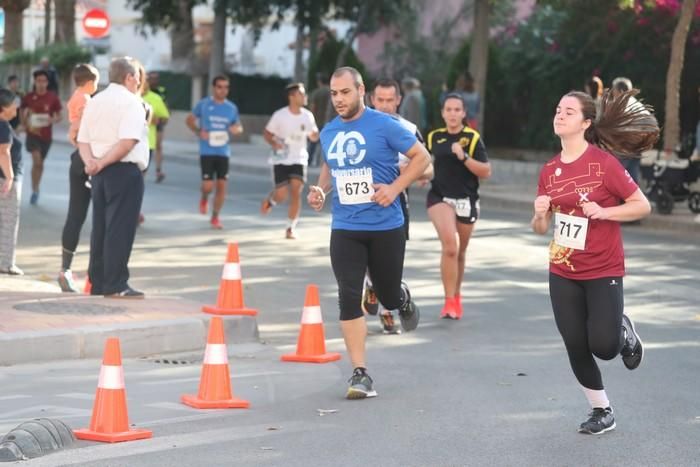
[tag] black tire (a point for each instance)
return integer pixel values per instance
(664, 202)
(694, 202)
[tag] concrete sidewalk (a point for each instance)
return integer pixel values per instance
(60, 326)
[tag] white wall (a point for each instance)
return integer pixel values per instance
(273, 54)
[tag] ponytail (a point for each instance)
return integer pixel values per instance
(623, 128)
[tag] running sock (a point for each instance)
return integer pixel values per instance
(271, 199)
(596, 397)
(292, 223)
(66, 259)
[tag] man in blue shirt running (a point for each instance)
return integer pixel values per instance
(214, 119)
(361, 148)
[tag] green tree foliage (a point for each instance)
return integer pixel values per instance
(327, 57)
(62, 56)
(564, 43)
(161, 13)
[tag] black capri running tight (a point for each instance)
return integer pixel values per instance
(588, 314)
(353, 253)
(78, 204)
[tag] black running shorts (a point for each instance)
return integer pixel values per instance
(284, 173)
(33, 143)
(355, 252)
(470, 206)
(214, 167)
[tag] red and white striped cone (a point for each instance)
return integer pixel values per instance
(230, 298)
(215, 382)
(110, 419)
(311, 345)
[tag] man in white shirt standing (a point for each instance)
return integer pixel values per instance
(113, 143)
(287, 132)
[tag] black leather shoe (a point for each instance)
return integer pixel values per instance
(127, 293)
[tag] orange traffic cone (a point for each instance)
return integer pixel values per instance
(230, 300)
(215, 382)
(311, 346)
(110, 420)
(88, 285)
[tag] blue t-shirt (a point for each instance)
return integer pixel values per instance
(216, 118)
(360, 150)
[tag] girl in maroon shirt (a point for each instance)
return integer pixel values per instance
(581, 189)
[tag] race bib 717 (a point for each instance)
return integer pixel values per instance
(570, 231)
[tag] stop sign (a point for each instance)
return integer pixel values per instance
(96, 23)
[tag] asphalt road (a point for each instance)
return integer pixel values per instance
(492, 389)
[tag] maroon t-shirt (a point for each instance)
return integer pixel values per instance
(595, 176)
(47, 103)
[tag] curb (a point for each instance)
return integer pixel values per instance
(140, 339)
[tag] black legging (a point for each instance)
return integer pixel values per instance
(78, 204)
(588, 314)
(380, 252)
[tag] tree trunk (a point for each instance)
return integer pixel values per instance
(47, 22)
(182, 39)
(14, 12)
(672, 127)
(313, 51)
(349, 39)
(479, 53)
(352, 34)
(218, 40)
(65, 21)
(299, 54)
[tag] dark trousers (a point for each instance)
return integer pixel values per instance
(78, 204)
(117, 192)
(355, 252)
(588, 314)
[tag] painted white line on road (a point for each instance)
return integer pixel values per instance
(78, 395)
(170, 406)
(11, 419)
(15, 396)
(197, 415)
(195, 379)
(103, 452)
(670, 345)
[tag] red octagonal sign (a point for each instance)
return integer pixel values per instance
(96, 23)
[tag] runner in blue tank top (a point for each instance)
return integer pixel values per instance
(361, 148)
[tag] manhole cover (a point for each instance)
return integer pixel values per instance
(60, 307)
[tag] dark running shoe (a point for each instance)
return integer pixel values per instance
(127, 293)
(370, 303)
(388, 324)
(600, 421)
(360, 385)
(632, 351)
(408, 313)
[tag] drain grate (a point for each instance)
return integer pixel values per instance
(62, 307)
(169, 361)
